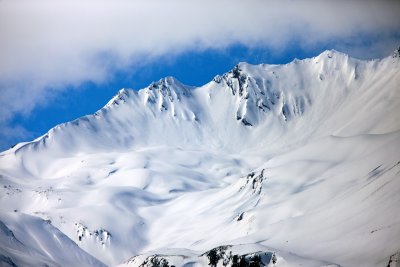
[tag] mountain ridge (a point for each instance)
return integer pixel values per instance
(261, 98)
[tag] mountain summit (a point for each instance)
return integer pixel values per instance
(266, 164)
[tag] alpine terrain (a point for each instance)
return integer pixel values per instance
(266, 165)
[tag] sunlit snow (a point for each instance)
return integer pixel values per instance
(298, 161)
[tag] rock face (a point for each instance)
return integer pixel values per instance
(394, 260)
(300, 161)
(231, 256)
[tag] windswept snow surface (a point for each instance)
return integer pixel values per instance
(301, 159)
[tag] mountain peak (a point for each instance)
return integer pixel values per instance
(119, 98)
(164, 92)
(236, 79)
(332, 53)
(168, 86)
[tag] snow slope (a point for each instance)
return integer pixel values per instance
(301, 159)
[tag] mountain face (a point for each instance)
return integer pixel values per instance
(293, 164)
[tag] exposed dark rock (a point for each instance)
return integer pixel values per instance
(242, 79)
(246, 123)
(256, 182)
(216, 254)
(396, 53)
(102, 236)
(394, 260)
(155, 261)
(240, 217)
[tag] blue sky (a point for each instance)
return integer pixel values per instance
(63, 60)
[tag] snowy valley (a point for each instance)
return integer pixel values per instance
(266, 165)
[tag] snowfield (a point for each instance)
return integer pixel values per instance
(297, 164)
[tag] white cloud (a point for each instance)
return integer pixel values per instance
(51, 43)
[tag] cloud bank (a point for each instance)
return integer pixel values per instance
(47, 45)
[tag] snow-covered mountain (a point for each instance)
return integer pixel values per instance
(296, 163)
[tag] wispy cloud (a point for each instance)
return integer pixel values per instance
(53, 43)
